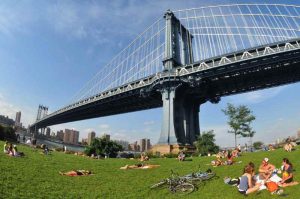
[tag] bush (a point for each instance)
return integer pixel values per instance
(257, 145)
(170, 155)
(152, 155)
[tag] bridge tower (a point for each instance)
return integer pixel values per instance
(180, 125)
(42, 112)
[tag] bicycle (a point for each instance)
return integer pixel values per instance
(176, 184)
(200, 176)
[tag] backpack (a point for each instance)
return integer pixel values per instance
(272, 186)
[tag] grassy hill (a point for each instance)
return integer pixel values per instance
(36, 176)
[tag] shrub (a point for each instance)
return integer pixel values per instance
(170, 155)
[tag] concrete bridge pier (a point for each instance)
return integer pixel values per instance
(180, 121)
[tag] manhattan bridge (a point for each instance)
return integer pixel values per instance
(186, 58)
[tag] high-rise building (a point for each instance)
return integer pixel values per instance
(48, 131)
(91, 137)
(142, 145)
(71, 136)
(18, 119)
(145, 144)
(106, 136)
(134, 146)
(67, 135)
(148, 145)
(60, 135)
(298, 134)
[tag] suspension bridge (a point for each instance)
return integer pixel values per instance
(186, 58)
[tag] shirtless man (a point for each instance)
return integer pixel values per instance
(266, 169)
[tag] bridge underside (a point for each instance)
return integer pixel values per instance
(181, 100)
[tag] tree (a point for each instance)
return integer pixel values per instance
(206, 143)
(250, 135)
(102, 147)
(7, 133)
(257, 145)
(240, 119)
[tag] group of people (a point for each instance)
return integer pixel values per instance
(12, 150)
(227, 155)
(266, 177)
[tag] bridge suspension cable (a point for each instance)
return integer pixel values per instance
(216, 31)
(141, 58)
(224, 29)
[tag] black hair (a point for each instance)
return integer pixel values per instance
(287, 161)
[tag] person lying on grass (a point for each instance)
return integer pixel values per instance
(217, 162)
(266, 169)
(76, 173)
(140, 166)
(246, 185)
(287, 174)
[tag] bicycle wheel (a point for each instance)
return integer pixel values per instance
(185, 188)
(158, 184)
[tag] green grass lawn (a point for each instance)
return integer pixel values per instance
(36, 176)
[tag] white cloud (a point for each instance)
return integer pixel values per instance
(104, 126)
(258, 96)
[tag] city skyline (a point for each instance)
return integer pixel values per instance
(73, 48)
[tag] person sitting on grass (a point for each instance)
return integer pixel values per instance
(181, 156)
(229, 160)
(266, 169)
(144, 157)
(287, 174)
(16, 153)
(246, 185)
(76, 173)
(288, 147)
(5, 150)
(10, 149)
(235, 153)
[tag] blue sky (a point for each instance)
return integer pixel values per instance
(50, 49)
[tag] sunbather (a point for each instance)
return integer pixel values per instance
(140, 166)
(76, 173)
